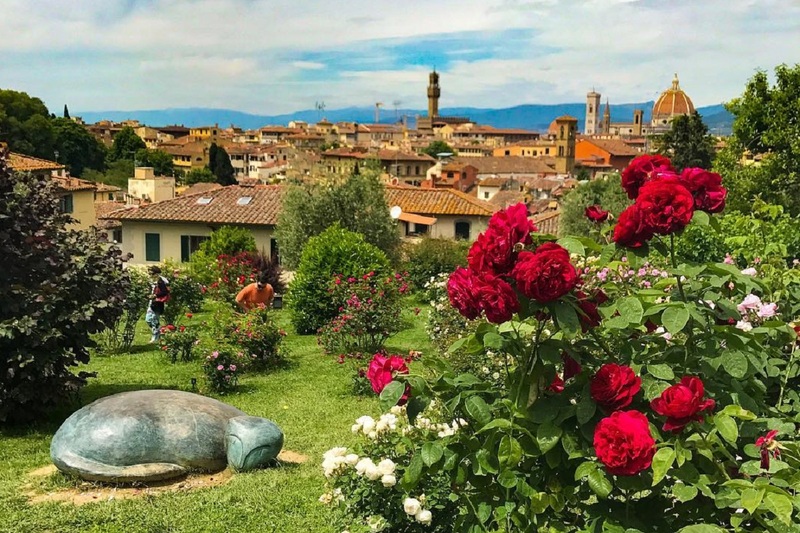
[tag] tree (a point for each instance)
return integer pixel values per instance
(118, 173)
(25, 124)
(59, 287)
(767, 124)
(199, 175)
(607, 192)
(66, 111)
(687, 143)
(438, 147)
(78, 149)
(357, 203)
(160, 160)
(126, 144)
(219, 162)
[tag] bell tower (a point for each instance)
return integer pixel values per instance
(433, 94)
(565, 144)
(592, 112)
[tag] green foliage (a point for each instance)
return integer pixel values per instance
(66, 111)
(430, 257)
(357, 203)
(222, 369)
(160, 160)
(687, 143)
(219, 162)
(199, 175)
(117, 173)
(334, 251)
(25, 124)
(438, 147)
(59, 287)
(78, 149)
(606, 192)
(119, 337)
(767, 123)
(228, 240)
(185, 293)
(179, 340)
(126, 144)
(255, 334)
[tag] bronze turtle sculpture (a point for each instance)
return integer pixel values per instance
(151, 435)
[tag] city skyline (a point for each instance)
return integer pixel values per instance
(268, 57)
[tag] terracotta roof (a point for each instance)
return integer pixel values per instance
(509, 165)
(437, 202)
(26, 163)
(613, 147)
(224, 206)
(548, 221)
(104, 187)
(383, 155)
(503, 199)
(198, 188)
(673, 102)
(493, 182)
(73, 184)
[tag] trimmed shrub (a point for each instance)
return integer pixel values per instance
(227, 240)
(334, 251)
(430, 257)
(119, 337)
(185, 293)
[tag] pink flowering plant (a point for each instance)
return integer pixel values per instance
(222, 370)
(178, 341)
(626, 407)
(257, 335)
(231, 274)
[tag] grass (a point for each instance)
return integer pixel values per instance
(310, 400)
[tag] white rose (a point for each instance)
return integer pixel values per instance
(412, 506)
(363, 464)
(335, 452)
(388, 480)
(372, 473)
(386, 467)
(351, 459)
(424, 517)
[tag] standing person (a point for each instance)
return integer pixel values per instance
(158, 298)
(256, 294)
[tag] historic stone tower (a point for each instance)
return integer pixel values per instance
(638, 117)
(592, 106)
(606, 128)
(565, 143)
(433, 94)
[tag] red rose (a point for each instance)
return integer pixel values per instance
(546, 274)
(641, 170)
(624, 444)
(614, 386)
(596, 214)
(682, 403)
(589, 315)
(557, 385)
(382, 370)
(497, 299)
(182, 329)
(462, 288)
(513, 222)
(665, 206)
(630, 230)
(571, 367)
(706, 188)
(491, 253)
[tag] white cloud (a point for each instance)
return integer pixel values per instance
(308, 65)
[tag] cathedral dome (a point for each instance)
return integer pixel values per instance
(672, 102)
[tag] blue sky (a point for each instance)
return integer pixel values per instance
(278, 56)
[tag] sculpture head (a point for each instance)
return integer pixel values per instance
(252, 442)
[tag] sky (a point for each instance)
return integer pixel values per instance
(279, 56)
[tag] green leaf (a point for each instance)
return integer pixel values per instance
(510, 452)
(547, 436)
(507, 479)
(739, 412)
(413, 472)
(781, 505)
(700, 218)
(431, 453)
(584, 469)
(674, 319)
(539, 502)
(606, 255)
(487, 461)
(751, 499)
(661, 372)
(735, 363)
(599, 483)
(457, 345)
(585, 409)
(478, 409)
(662, 462)
(391, 394)
(493, 341)
(573, 245)
(630, 309)
(701, 528)
(567, 318)
(684, 493)
(497, 423)
(727, 428)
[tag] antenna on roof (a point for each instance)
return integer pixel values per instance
(378, 112)
(395, 104)
(320, 107)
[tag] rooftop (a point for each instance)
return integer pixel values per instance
(26, 163)
(437, 202)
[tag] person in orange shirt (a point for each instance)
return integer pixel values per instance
(255, 294)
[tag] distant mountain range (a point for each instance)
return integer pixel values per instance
(531, 116)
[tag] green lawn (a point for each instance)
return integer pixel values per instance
(310, 400)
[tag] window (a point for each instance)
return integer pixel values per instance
(416, 170)
(152, 247)
(274, 254)
(421, 229)
(244, 200)
(204, 201)
(462, 230)
(485, 195)
(190, 244)
(116, 235)
(65, 204)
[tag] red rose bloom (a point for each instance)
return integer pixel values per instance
(596, 214)
(624, 444)
(682, 403)
(630, 230)
(462, 288)
(513, 222)
(641, 170)
(665, 206)
(571, 367)
(497, 299)
(546, 274)
(706, 188)
(382, 370)
(589, 315)
(614, 386)
(491, 253)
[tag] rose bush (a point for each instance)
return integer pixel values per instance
(178, 341)
(632, 401)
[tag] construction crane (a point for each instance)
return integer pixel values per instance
(396, 104)
(378, 112)
(320, 107)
